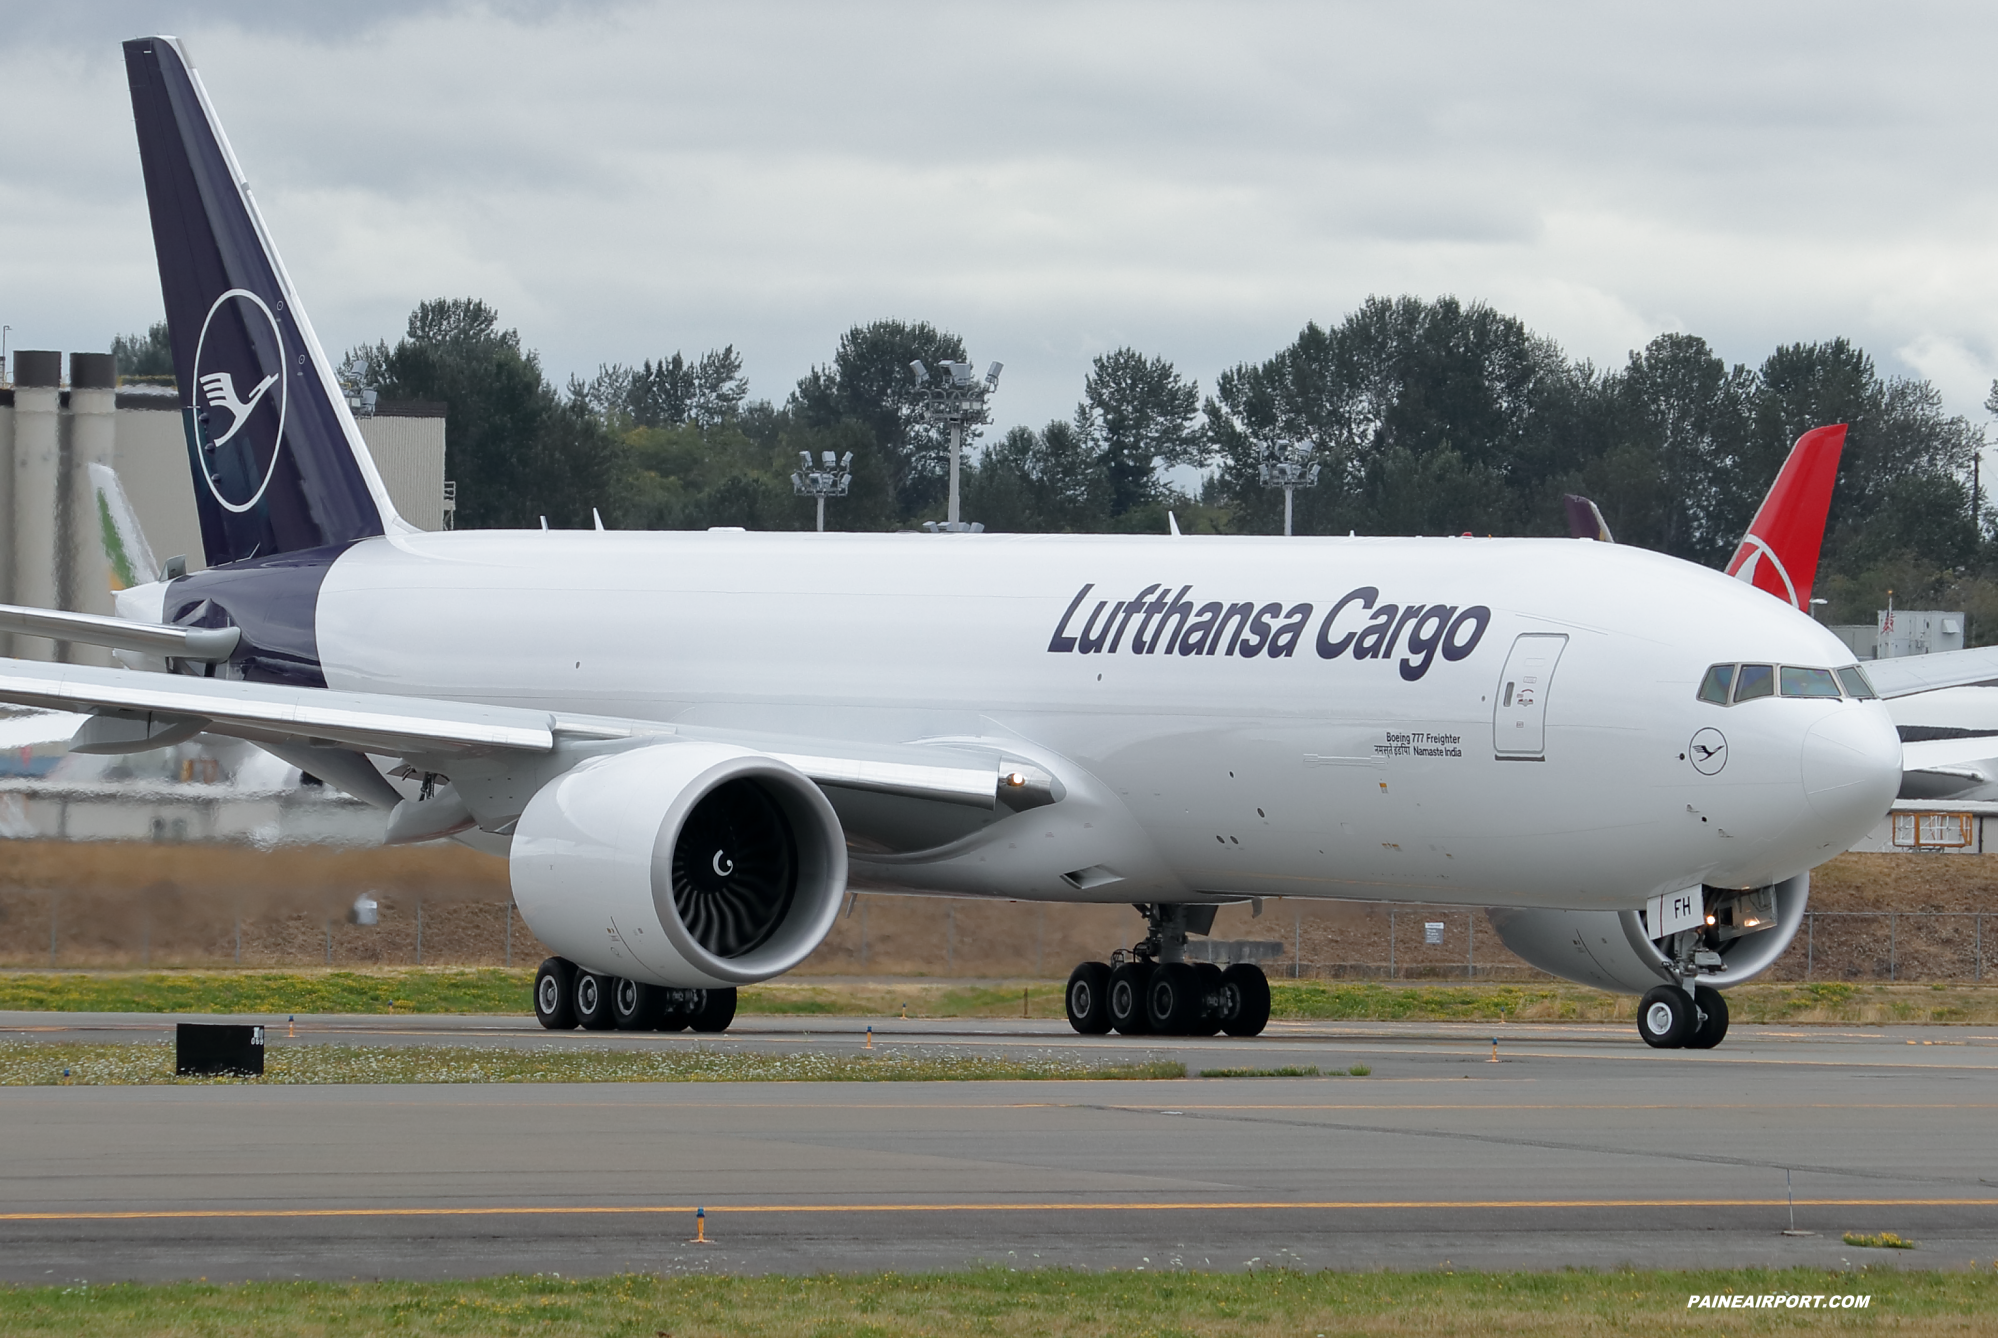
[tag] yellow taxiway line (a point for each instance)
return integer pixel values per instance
(1338, 1205)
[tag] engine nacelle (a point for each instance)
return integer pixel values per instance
(696, 865)
(1611, 950)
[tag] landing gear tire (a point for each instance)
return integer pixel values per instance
(716, 1011)
(592, 996)
(674, 1014)
(1712, 1005)
(1088, 998)
(1213, 995)
(1665, 1017)
(1172, 1000)
(1248, 991)
(554, 994)
(635, 1006)
(1127, 997)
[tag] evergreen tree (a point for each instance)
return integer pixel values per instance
(869, 383)
(1140, 416)
(516, 450)
(149, 354)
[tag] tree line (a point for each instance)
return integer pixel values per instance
(1426, 417)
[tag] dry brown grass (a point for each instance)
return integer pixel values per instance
(128, 904)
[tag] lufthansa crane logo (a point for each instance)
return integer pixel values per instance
(1708, 751)
(241, 389)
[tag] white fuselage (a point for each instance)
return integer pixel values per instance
(1188, 775)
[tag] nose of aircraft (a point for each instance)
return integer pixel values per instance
(1852, 769)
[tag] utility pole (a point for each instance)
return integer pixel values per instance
(1289, 467)
(957, 402)
(830, 478)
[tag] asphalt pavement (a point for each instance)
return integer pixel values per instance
(1579, 1146)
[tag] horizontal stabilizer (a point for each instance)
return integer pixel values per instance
(369, 722)
(204, 645)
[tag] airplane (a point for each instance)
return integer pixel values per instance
(1941, 702)
(690, 746)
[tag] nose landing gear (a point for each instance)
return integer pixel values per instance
(1669, 1019)
(1153, 989)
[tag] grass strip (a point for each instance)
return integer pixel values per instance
(278, 993)
(1001, 1301)
(1880, 1240)
(492, 990)
(1289, 1071)
(1819, 1002)
(32, 1064)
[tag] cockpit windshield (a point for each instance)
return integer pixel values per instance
(1755, 680)
(1855, 683)
(1808, 682)
(1726, 684)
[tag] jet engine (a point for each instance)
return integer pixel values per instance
(1613, 950)
(695, 865)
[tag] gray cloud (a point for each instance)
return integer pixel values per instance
(1049, 180)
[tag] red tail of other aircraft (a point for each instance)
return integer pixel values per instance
(1779, 554)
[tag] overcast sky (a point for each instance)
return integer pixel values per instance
(1049, 181)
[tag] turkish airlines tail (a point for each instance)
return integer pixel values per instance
(1779, 554)
(279, 466)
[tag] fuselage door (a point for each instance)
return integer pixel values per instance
(1519, 721)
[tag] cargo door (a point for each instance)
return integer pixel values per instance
(1519, 720)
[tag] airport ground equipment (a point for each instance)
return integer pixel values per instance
(218, 1050)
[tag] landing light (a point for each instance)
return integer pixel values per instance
(1016, 778)
(1711, 920)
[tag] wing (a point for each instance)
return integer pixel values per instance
(140, 710)
(1910, 674)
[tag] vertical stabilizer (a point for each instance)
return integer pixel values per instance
(127, 556)
(1779, 553)
(1585, 519)
(278, 463)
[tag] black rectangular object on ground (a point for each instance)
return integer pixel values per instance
(211, 1049)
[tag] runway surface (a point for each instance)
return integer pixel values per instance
(1580, 1147)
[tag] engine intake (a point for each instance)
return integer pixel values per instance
(696, 865)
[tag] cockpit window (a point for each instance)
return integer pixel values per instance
(1855, 683)
(1713, 688)
(1808, 682)
(1755, 680)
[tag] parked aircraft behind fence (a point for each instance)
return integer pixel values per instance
(691, 745)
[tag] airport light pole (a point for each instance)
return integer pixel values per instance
(829, 478)
(1289, 467)
(957, 402)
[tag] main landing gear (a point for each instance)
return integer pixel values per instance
(1154, 989)
(565, 997)
(1670, 1019)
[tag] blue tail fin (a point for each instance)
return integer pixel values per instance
(279, 466)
